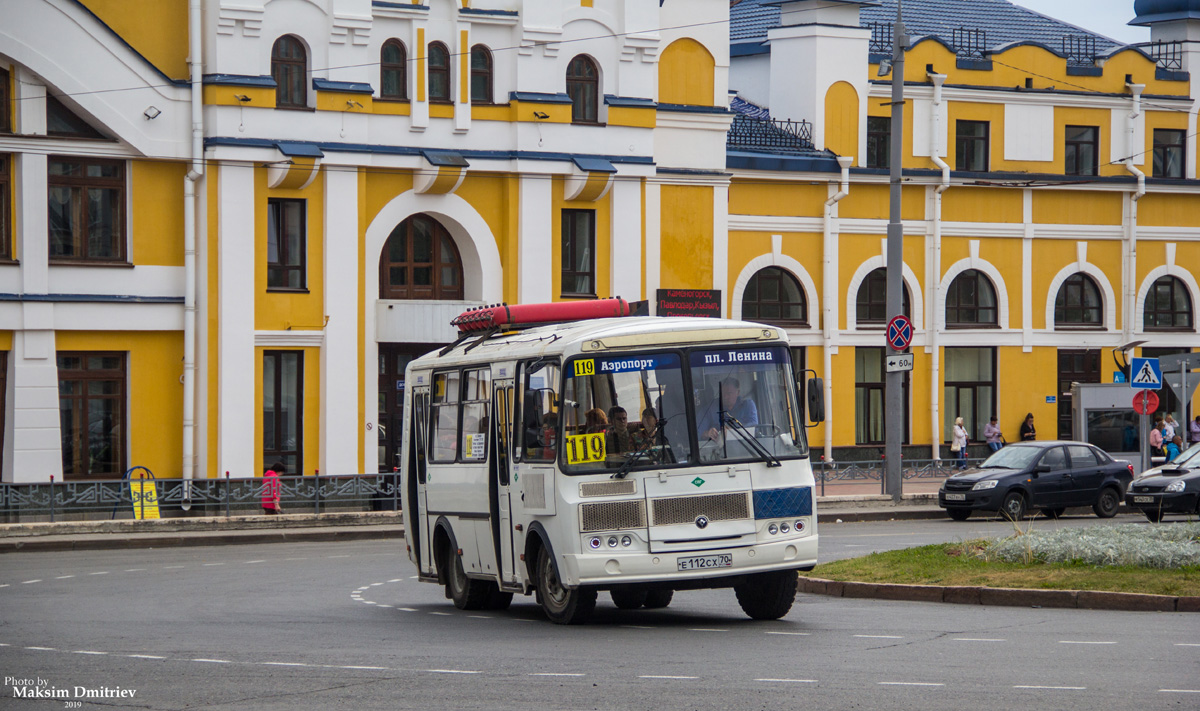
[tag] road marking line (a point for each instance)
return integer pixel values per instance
(637, 627)
(347, 555)
(102, 572)
(133, 570)
(664, 676)
(284, 664)
(1068, 641)
(480, 617)
(1057, 688)
(301, 558)
(64, 577)
(443, 614)
(793, 634)
(412, 577)
(372, 585)
(252, 562)
(30, 582)
(350, 666)
(394, 580)
(6, 584)
(555, 674)
(451, 671)
(407, 609)
(209, 565)
(705, 629)
(977, 639)
(43, 649)
(4, 645)
(789, 681)
(84, 651)
(1179, 691)
(172, 567)
(878, 636)
(382, 605)
(145, 656)
(368, 602)
(213, 661)
(1187, 644)
(908, 683)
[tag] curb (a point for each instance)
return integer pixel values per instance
(1008, 597)
(115, 541)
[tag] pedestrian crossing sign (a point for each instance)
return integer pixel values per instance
(1145, 374)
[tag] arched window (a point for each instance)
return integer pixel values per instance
(583, 86)
(439, 72)
(971, 300)
(393, 71)
(1078, 302)
(481, 74)
(774, 296)
(1168, 306)
(871, 304)
(289, 69)
(420, 261)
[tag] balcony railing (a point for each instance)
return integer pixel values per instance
(1168, 55)
(774, 135)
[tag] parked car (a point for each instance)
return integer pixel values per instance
(1172, 488)
(1191, 454)
(1048, 476)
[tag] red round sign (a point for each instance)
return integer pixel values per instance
(899, 333)
(1145, 402)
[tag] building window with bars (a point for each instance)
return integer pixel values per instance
(283, 410)
(1168, 306)
(289, 69)
(393, 71)
(286, 244)
(879, 142)
(579, 253)
(870, 308)
(87, 210)
(1078, 304)
(774, 296)
(971, 301)
(439, 73)
(481, 75)
(420, 261)
(1170, 150)
(92, 414)
(583, 86)
(971, 145)
(1082, 150)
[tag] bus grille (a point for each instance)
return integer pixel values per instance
(617, 487)
(612, 515)
(686, 509)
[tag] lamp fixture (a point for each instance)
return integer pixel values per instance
(885, 67)
(541, 115)
(151, 113)
(241, 97)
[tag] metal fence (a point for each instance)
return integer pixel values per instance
(200, 497)
(746, 133)
(932, 470)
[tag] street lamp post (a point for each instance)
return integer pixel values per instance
(893, 383)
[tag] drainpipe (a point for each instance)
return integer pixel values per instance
(830, 297)
(195, 63)
(1131, 225)
(934, 286)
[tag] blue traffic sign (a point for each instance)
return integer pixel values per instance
(1145, 374)
(899, 333)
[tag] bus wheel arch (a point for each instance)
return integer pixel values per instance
(444, 543)
(535, 541)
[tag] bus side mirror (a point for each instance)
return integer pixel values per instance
(816, 400)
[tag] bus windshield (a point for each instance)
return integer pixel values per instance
(631, 411)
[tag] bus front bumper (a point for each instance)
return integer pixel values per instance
(610, 568)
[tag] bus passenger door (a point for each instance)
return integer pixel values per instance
(420, 444)
(501, 481)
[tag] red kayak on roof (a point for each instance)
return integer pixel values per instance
(506, 317)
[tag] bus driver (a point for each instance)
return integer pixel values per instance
(742, 409)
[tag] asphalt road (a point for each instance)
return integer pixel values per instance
(344, 626)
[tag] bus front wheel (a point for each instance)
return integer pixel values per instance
(768, 596)
(564, 606)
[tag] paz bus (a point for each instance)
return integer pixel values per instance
(571, 448)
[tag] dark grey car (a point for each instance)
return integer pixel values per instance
(1049, 476)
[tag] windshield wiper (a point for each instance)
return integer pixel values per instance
(636, 454)
(752, 442)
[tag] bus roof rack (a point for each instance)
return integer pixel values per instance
(502, 317)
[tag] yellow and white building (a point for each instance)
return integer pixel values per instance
(260, 210)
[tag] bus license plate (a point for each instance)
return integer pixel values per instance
(1143, 499)
(704, 562)
(956, 497)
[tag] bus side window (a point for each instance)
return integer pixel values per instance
(420, 417)
(476, 401)
(503, 418)
(444, 446)
(539, 425)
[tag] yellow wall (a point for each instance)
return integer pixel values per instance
(158, 30)
(1051, 256)
(1077, 207)
(1037, 374)
(686, 74)
(1170, 211)
(603, 256)
(6, 340)
(310, 418)
(777, 198)
(841, 121)
(155, 405)
(157, 214)
(873, 202)
(983, 205)
(686, 237)
(225, 95)
(285, 311)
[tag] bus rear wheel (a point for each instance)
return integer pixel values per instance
(768, 596)
(467, 594)
(564, 606)
(626, 599)
(658, 599)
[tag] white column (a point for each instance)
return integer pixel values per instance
(235, 283)
(653, 229)
(625, 242)
(721, 245)
(462, 94)
(340, 426)
(204, 263)
(36, 439)
(1027, 277)
(534, 263)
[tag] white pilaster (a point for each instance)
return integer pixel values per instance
(33, 427)
(1027, 277)
(236, 396)
(339, 356)
(721, 245)
(33, 225)
(625, 242)
(460, 62)
(534, 284)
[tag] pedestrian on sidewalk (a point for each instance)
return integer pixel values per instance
(958, 444)
(1174, 447)
(1194, 430)
(1156, 439)
(1169, 425)
(270, 489)
(1028, 433)
(991, 433)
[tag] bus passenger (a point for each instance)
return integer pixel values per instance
(645, 437)
(618, 439)
(595, 421)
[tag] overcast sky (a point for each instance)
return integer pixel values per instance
(1108, 17)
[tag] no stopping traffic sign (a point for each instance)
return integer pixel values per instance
(899, 333)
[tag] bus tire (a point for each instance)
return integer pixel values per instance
(563, 606)
(768, 596)
(658, 599)
(627, 599)
(466, 593)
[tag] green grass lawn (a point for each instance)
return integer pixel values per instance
(961, 564)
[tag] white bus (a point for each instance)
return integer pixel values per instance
(635, 455)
